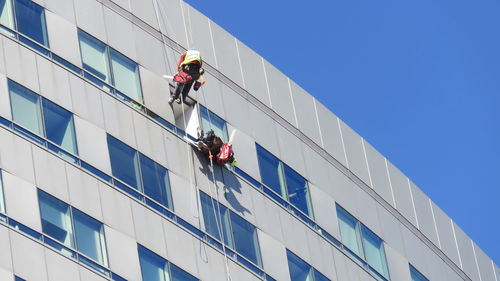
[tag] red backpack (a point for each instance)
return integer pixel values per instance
(182, 77)
(225, 154)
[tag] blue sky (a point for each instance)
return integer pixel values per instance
(418, 79)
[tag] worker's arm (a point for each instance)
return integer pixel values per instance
(181, 59)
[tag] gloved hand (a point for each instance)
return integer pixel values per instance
(197, 85)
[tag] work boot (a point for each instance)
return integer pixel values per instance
(171, 100)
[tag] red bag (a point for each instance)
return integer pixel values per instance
(225, 154)
(182, 77)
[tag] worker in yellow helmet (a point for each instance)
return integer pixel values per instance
(190, 71)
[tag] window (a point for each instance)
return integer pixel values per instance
(283, 180)
(110, 66)
(156, 268)
(72, 228)
(28, 17)
(301, 271)
(42, 117)
(210, 121)
(239, 234)
(362, 241)
(139, 172)
(416, 275)
(2, 202)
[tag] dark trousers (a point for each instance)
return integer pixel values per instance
(194, 71)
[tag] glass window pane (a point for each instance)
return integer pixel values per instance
(210, 121)
(155, 181)
(6, 14)
(210, 220)
(416, 275)
(56, 219)
(152, 266)
(180, 275)
(31, 21)
(94, 56)
(126, 76)
(2, 202)
(26, 109)
(299, 270)
(347, 225)
(59, 126)
(245, 239)
(319, 277)
(124, 162)
(90, 237)
(374, 251)
(298, 191)
(270, 171)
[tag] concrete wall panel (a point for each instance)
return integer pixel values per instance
(264, 130)
(15, 155)
(118, 120)
(305, 111)
(60, 268)
(402, 194)
(54, 83)
(355, 153)
(4, 97)
(398, 265)
(325, 212)
(86, 101)
(274, 258)
(253, 73)
(237, 110)
(116, 210)
(291, 150)
(226, 53)
(90, 18)
(84, 192)
(63, 8)
(123, 255)
(119, 30)
(330, 132)
(378, 173)
(92, 144)
(445, 232)
(50, 173)
(63, 37)
(150, 52)
(28, 258)
(5, 250)
(279, 92)
(148, 229)
(181, 247)
(156, 93)
(20, 64)
(245, 151)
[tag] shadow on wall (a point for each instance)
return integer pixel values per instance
(223, 178)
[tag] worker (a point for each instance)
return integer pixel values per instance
(213, 146)
(190, 71)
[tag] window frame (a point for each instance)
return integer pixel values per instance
(167, 265)
(312, 272)
(360, 228)
(211, 114)
(15, 24)
(3, 207)
(282, 179)
(108, 57)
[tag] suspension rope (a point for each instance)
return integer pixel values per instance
(218, 218)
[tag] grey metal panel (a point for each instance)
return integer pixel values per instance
(274, 258)
(54, 83)
(148, 228)
(2, 58)
(4, 98)
(245, 152)
(330, 132)
(84, 191)
(172, 20)
(226, 53)
(345, 193)
(415, 251)
(237, 196)
(140, 126)
(484, 264)
(291, 150)
(253, 73)
(424, 214)
(122, 254)
(50, 174)
(86, 101)
(27, 266)
(324, 210)
(5, 250)
(240, 273)
(155, 90)
(317, 168)
(378, 173)
(20, 64)
(181, 247)
(321, 257)
(15, 155)
(210, 263)
(279, 92)
(145, 10)
(305, 111)
(367, 211)
(237, 110)
(6, 275)
(265, 135)
(198, 27)
(125, 4)
(402, 195)
(178, 156)
(267, 216)
(355, 153)
(437, 267)
(119, 30)
(211, 96)
(497, 270)
(466, 253)
(87, 275)
(184, 198)
(398, 265)
(295, 235)
(90, 17)
(63, 37)
(452, 275)
(391, 230)
(445, 232)
(64, 8)
(92, 144)
(21, 201)
(118, 120)
(116, 210)
(150, 51)
(60, 268)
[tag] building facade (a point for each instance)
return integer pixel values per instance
(99, 181)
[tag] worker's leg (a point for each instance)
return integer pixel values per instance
(186, 89)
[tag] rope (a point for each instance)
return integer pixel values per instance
(218, 218)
